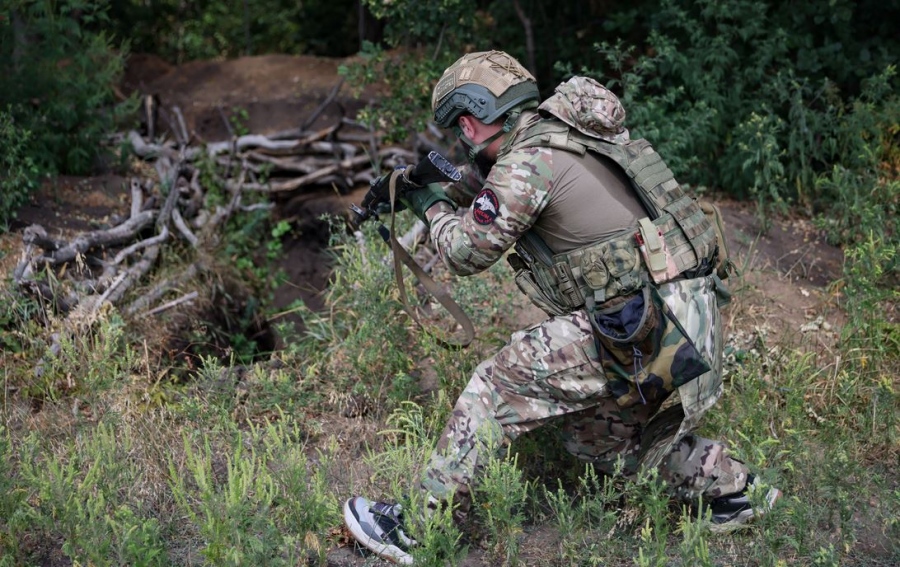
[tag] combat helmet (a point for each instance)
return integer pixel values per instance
(487, 85)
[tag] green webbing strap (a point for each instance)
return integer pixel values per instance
(651, 171)
(658, 178)
(642, 162)
(439, 293)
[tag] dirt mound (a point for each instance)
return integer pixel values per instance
(261, 94)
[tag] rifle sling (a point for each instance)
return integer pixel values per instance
(401, 255)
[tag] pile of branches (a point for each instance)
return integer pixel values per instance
(173, 207)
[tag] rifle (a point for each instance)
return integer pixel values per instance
(384, 190)
(434, 168)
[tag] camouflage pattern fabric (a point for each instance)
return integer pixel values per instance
(694, 303)
(520, 181)
(649, 367)
(553, 370)
(591, 108)
(464, 191)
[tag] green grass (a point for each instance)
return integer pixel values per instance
(104, 461)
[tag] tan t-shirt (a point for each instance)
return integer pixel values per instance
(591, 199)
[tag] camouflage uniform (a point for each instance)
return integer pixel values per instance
(554, 370)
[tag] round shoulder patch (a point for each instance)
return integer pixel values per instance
(485, 207)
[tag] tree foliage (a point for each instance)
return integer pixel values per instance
(181, 31)
(781, 102)
(60, 71)
(765, 102)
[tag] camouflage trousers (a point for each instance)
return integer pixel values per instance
(552, 371)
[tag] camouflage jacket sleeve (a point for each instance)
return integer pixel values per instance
(513, 196)
(464, 191)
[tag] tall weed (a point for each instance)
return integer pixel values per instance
(86, 363)
(499, 499)
(232, 509)
(79, 495)
(409, 441)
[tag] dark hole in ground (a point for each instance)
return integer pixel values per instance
(305, 257)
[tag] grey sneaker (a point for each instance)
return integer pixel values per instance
(379, 527)
(733, 511)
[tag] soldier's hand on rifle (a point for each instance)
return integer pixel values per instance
(420, 199)
(415, 187)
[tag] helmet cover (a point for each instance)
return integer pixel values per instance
(486, 84)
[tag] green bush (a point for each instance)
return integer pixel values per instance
(409, 81)
(18, 172)
(60, 70)
(762, 102)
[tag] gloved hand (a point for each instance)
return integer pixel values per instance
(420, 199)
(378, 197)
(384, 207)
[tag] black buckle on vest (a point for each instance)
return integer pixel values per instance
(567, 285)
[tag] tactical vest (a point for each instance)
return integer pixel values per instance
(676, 240)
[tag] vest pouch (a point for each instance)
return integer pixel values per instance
(610, 269)
(527, 284)
(623, 324)
(643, 349)
(724, 265)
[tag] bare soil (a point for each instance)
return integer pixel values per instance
(788, 272)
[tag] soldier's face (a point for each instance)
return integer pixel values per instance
(478, 131)
(475, 133)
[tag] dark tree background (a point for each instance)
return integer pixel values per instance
(764, 99)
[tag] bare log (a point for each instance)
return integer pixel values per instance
(162, 288)
(334, 148)
(319, 175)
(194, 203)
(305, 137)
(152, 241)
(101, 238)
(250, 141)
(307, 179)
(183, 228)
(109, 291)
(174, 303)
(256, 207)
(415, 234)
(135, 273)
(301, 165)
(152, 151)
(137, 197)
(37, 235)
(283, 164)
(223, 213)
(355, 137)
(182, 131)
(228, 163)
(147, 151)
